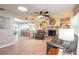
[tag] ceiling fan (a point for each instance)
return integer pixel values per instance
(44, 13)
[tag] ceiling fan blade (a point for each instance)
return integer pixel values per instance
(46, 15)
(41, 12)
(36, 12)
(46, 12)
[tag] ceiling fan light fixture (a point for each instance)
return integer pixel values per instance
(40, 16)
(22, 9)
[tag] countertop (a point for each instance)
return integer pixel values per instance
(56, 42)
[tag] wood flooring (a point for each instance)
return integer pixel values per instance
(27, 46)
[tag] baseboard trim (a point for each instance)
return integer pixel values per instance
(6, 45)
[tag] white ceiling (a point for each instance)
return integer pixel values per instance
(52, 8)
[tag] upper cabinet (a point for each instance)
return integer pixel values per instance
(65, 23)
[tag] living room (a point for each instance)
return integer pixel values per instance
(36, 29)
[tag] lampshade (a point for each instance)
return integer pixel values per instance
(66, 34)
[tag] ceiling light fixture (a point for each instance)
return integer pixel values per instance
(23, 9)
(40, 16)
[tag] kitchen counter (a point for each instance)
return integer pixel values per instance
(57, 43)
(54, 43)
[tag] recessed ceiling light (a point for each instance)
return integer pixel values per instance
(23, 9)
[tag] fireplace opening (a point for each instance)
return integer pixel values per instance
(51, 32)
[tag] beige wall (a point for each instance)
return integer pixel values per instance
(57, 17)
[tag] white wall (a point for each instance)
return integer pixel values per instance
(6, 35)
(77, 18)
(75, 26)
(74, 23)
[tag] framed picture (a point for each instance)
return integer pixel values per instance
(4, 22)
